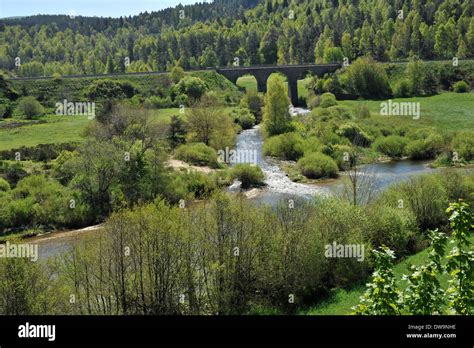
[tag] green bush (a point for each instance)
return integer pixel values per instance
(28, 107)
(338, 153)
(354, 133)
(249, 175)
(427, 148)
(156, 102)
(463, 144)
(392, 227)
(3, 110)
(199, 184)
(402, 89)
(392, 146)
(4, 185)
(316, 165)
(461, 87)
(38, 201)
(361, 111)
(199, 154)
(289, 146)
(110, 89)
(368, 79)
(254, 102)
(192, 86)
(245, 118)
(327, 100)
(424, 196)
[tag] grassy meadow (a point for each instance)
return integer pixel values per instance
(446, 111)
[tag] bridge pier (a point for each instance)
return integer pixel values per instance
(292, 72)
(293, 90)
(262, 85)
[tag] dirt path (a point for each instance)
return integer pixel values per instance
(177, 164)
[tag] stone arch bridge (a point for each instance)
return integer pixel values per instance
(292, 72)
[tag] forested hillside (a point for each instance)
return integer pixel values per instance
(255, 32)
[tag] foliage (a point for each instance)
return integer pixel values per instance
(316, 165)
(424, 294)
(4, 185)
(460, 261)
(249, 175)
(177, 74)
(177, 131)
(245, 118)
(254, 102)
(28, 107)
(209, 124)
(381, 297)
(392, 146)
(199, 154)
(287, 146)
(106, 89)
(327, 100)
(276, 115)
(368, 79)
(461, 87)
(192, 86)
(402, 89)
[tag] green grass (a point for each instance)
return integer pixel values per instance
(447, 111)
(248, 82)
(343, 300)
(56, 129)
(164, 114)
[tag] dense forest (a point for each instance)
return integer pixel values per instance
(255, 32)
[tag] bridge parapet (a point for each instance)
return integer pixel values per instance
(292, 72)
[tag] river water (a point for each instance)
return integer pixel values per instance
(278, 187)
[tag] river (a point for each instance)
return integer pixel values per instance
(278, 187)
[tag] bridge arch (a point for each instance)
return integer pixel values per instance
(292, 72)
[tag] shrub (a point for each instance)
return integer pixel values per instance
(461, 87)
(245, 118)
(28, 107)
(338, 153)
(249, 175)
(424, 196)
(402, 89)
(317, 165)
(199, 154)
(327, 100)
(361, 111)
(289, 146)
(392, 227)
(177, 73)
(199, 184)
(354, 133)
(368, 79)
(427, 148)
(3, 110)
(392, 146)
(110, 89)
(192, 86)
(254, 102)
(4, 185)
(158, 102)
(463, 144)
